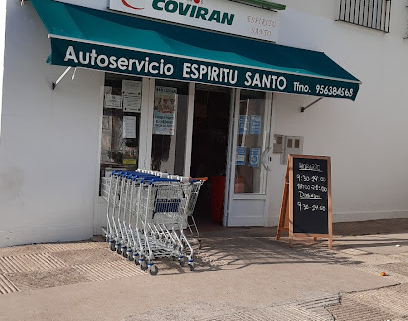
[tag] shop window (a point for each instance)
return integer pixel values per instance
(250, 175)
(120, 123)
(169, 126)
(373, 14)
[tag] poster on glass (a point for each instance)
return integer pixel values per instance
(254, 157)
(132, 96)
(165, 109)
(256, 124)
(241, 156)
(243, 124)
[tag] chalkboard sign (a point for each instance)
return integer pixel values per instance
(306, 201)
(310, 196)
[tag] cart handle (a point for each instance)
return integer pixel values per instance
(144, 176)
(159, 179)
(128, 174)
(204, 179)
(117, 173)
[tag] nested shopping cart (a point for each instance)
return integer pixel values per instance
(193, 190)
(147, 213)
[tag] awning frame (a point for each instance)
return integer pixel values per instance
(302, 109)
(54, 84)
(83, 37)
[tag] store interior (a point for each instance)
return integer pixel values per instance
(210, 149)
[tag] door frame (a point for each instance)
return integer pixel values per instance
(230, 196)
(145, 156)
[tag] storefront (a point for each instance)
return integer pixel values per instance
(191, 98)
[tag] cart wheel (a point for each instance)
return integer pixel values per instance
(191, 266)
(130, 256)
(143, 265)
(182, 262)
(199, 244)
(136, 261)
(119, 250)
(112, 246)
(124, 253)
(153, 270)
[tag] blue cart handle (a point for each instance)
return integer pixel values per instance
(158, 179)
(144, 177)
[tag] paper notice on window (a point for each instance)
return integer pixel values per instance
(129, 127)
(113, 101)
(131, 87)
(256, 124)
(243, 124)
(241, 156)
(106, 140)
(132, 96)
(132, 103)
(107, 123)
(165, 110)
(254, 154)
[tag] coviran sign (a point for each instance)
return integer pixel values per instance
(219, 15)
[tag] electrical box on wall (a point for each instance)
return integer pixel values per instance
(285, 145)
(278, 144)
(292, 145)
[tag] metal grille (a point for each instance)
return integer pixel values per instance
(373, 14)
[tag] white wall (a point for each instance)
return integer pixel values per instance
(2, 48)
(49, 141)
(366, 138)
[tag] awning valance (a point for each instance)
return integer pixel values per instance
(89, 38)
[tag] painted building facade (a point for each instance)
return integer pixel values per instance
(51, 153)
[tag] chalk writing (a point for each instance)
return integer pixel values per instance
(310, 195)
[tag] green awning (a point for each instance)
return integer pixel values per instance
(89, 38)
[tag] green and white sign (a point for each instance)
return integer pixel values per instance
(126, 61)
(219, 15)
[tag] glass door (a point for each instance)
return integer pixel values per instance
(169, 126)
(247, 175)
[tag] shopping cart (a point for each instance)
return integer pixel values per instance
(163, 214)
(147, 213)
(114, 191)
(194, 190)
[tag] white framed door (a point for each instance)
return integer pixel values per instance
(246, 191)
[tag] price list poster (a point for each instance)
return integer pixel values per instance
(306, 202)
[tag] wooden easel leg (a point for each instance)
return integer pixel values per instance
(330, 242)
(290, 241)
(284, 207)
(315, 239)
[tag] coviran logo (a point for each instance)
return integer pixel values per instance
(125, 3)
(187, 9)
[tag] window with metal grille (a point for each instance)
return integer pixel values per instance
(373, 14)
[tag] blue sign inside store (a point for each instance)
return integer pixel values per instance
(243, 125)
(256, 124)
(241, 156)
(254, 157)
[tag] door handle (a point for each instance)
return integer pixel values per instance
(266, 158)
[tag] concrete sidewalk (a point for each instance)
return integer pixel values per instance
(241, 274)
